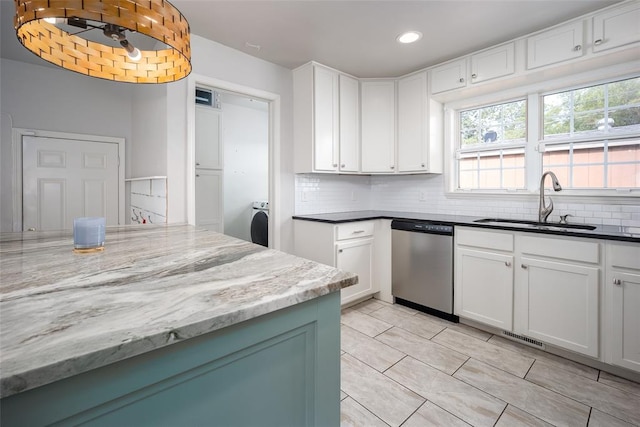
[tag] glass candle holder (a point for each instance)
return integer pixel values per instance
(88, 233)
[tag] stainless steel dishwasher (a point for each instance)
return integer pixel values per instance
(422, 266)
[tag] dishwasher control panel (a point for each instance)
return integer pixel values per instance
(424, 227)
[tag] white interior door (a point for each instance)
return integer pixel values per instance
(63, 179)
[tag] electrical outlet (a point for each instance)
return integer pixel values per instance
(304, 196)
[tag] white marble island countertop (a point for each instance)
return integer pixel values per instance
(63, 313)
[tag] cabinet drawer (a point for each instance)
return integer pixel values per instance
(560, 248)
(354, 230)
(624, 256)
(485, 239)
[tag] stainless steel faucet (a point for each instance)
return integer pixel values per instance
(545, 210)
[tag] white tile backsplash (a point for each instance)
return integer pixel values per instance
(316, 193)
(148, 200)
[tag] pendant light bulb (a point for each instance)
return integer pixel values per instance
(132, 52)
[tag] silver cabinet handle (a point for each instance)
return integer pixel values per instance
(197, 175)
(358, 232)
(461, 80)
(339, 251)
(31, 229)
(342, 165)
(197, 164)
(598, 42)
(473, 76)
(617, 282)
(335, 165)
(524, 266)
(422, 165)
(392, 167)
(507, 263)
(577, 48)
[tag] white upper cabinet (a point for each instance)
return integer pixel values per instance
(451, 75)
(326, 131)
(208, 138)
(486, 65)
(556, 45)
(349, 124)
(616, 27)
(419, 139)
(326, 120)
(378, 126)
(493, 63)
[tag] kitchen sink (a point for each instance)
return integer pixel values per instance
(535, 224)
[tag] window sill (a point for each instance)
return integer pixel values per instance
(567, 196)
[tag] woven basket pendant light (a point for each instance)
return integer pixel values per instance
(158, 19)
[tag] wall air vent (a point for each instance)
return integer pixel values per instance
(523, 340)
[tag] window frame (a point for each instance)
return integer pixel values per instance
(492, 147)
(534, 146)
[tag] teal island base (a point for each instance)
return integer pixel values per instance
(279, 369)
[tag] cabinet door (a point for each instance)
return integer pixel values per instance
(349, 124)
(209, 213)
(412, 123)
(378, 126)
(493, 63)
(616, 27)
(557, 45)
(625, 318)
(560, 304)
(356, 257)
(484, 287)
(449, 76)
(326, 129)
(208, 135)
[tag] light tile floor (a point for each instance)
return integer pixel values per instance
(403, 367)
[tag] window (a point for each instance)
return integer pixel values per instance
(591, 136)
(491, 154)
(588, 136)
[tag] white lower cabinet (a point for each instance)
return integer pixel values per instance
(347, 246)
(545, 288)
(356, 256)
(560, 304)
(557, 298)
(208, 190)
(623, 305)
(484, 287)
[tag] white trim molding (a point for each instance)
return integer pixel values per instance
(275, 184)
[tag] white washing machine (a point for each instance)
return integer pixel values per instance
(260, 223)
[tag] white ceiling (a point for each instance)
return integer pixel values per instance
(357, 37)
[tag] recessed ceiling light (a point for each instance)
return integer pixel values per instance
(409, 37)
